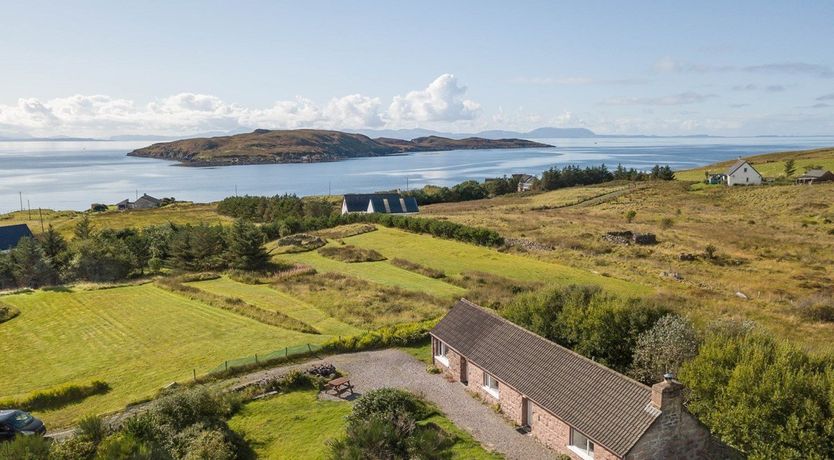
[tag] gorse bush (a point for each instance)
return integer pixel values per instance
(351, 254)
(389, 336)
(25, 448)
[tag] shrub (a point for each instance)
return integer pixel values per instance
(128, 447)
(7, 312)
(25, 448)
(351, 254)
(92, 428)
(630, 215)
(74, 448)
(664, 348)
(209, 445)
(819, 307)
(667, 222)
(389, 336)
(59, 397)
(414, 267)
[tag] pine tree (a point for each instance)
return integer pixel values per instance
(790, 167)
(84, 228)
(30, 266)
(54, 247)
(246, 250)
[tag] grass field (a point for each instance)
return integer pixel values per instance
(64, 221)
(297, 426)
(455, 259)
(135, 338)
(271, 299)
(378, 272)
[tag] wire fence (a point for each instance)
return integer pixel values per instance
(282, 353)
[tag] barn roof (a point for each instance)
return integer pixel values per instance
(610, 408)
(10, 235)
(814, 173)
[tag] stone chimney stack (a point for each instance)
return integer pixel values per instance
(667, 396)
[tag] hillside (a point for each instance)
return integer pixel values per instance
(307, 146)
(770, 165)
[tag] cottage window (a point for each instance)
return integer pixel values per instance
(581, 445)
(490, 385)
(441, 357)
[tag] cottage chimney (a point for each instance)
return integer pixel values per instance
(668, 394)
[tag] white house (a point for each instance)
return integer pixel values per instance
(743, 173)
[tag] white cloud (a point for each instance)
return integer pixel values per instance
(179, 114)
(442, 100)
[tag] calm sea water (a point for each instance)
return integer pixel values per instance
(71, 175)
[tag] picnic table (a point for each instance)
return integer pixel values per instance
(339, 386)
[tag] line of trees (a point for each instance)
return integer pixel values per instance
(551, 179)
(272, 208)
(111, 255)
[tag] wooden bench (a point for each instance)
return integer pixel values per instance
(339, 386)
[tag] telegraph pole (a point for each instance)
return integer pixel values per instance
(20, 194)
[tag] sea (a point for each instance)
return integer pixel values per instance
(74, 174)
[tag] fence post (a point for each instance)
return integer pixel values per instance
(194, 371)
(227, 365)
(256, 358)
(286, 352)
(309, 348)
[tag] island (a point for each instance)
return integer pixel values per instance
(264, 146)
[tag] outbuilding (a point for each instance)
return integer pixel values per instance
(815, 176)
(10, 235)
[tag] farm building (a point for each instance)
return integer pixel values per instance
(388, 203)
(143, 202)
(10, 235)
(814, 176)
(572, 404)
(715, 179)
(743, 173)
(525, 182)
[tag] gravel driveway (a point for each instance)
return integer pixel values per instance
(394, 368)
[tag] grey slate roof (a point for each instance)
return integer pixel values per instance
(11, 234)
(608, 407)
(739, 164)
(814, 173)
(359, 202)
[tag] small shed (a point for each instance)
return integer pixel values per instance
(146, 202)
(525, 182)
(814, 176)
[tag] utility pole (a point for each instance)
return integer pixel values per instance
(29, 207)
(20, 194)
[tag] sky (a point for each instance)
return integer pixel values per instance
(102, 68)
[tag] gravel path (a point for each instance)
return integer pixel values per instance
(394, 368)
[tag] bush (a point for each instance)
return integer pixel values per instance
(765, 397)
(59, 397)
(25, 448)
(7, 312)
(664, 348)
(209, 445)
(389, 336)
(667, 222)
(126, 446)
(388, 402)
(586, 320)
(414, 267)
(92, 428)
(74, 448)
(351, 254)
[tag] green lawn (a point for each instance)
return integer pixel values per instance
(455, 258)
(135, 338)
(271, 299)
(297, 426)
(379, 272)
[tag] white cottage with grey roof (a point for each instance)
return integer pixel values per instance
(743, 173)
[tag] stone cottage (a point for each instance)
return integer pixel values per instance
(572, 404)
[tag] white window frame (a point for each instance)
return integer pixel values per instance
(585, 451)
(441, 357)
(489, 380)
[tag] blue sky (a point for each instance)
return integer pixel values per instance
(728, 68)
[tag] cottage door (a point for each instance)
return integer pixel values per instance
(528, 413)
(463, 371)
